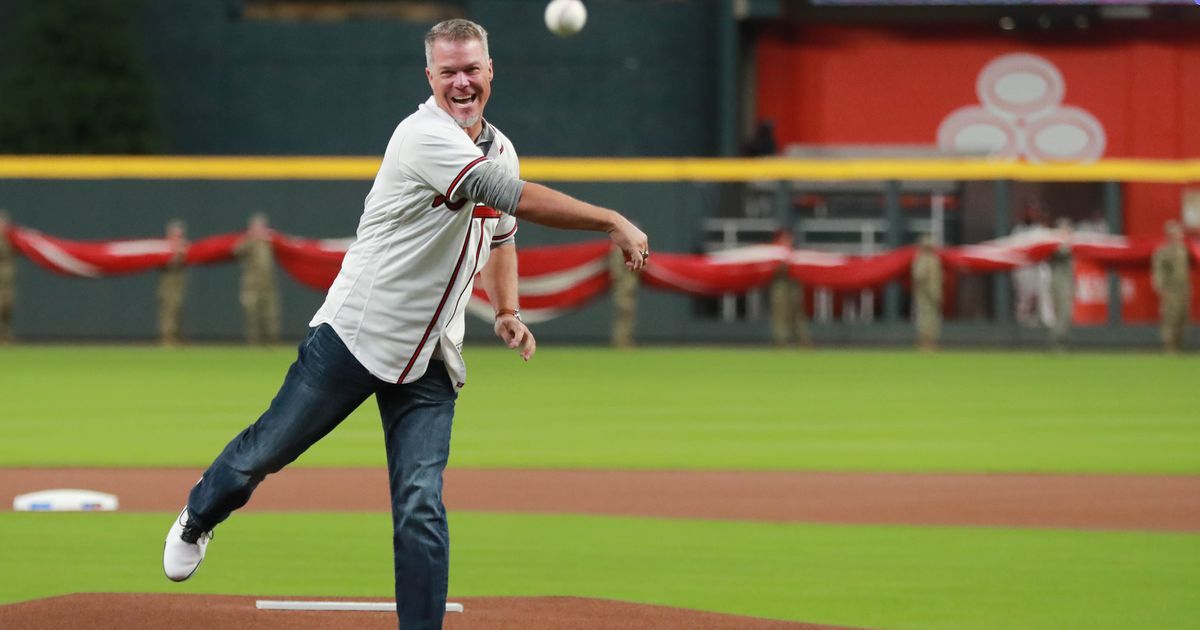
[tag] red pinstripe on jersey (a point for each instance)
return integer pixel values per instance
(501, 237)
(474, 270)
(441, 305)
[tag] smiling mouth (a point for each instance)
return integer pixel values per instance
(462, 100)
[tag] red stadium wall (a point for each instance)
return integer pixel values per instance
(841, 84)
(1139, 301)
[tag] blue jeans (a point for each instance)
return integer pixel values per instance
(322, 387)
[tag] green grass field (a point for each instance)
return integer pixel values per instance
(876, 577)
(650, 409)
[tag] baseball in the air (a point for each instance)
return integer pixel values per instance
(565, 17)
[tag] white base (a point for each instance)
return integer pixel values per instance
(65, 500)
(266, 604)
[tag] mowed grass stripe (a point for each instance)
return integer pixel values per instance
(882, 577)
(747, 409)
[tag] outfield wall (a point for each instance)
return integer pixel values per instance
(107, 198)
(56, 307)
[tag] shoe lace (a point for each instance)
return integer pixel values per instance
(191, 535)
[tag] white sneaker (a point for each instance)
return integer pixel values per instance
(184, 549)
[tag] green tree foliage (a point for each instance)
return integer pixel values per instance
(75, 83)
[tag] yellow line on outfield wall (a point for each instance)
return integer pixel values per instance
(772, 169)
(600, 169)
(177, 167)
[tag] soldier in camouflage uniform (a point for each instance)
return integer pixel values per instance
(927, 294)
(259, 294)
(1062, 287)
(8, 284)
(624, 292)
(172, 284)
(1170, 276)
(800, 320)
(789, 321)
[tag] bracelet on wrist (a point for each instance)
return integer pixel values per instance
(509, 311)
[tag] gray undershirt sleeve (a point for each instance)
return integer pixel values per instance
(491, 184)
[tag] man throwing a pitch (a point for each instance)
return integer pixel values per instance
(443, 207)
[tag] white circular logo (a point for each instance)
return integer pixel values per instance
(977, 130)
(1021, 114)
(1067, 134)
(1020, 85)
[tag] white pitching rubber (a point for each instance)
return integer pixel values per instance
(267, 604)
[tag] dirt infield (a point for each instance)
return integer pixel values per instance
(1063, 501)
(1082, 502)
(198, 612)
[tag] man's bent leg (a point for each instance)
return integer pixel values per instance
(417, 418)
(322, 388)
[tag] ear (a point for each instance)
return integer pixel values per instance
(491, 70)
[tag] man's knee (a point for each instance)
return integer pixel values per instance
(420, 508)
(422, 494)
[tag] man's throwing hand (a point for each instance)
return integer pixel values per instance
(516, 334)
(633, 243)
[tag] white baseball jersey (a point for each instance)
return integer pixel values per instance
(401, 294)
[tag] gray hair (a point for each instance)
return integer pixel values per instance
(455, 30)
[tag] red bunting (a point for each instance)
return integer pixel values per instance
(560, 278)
(704, 275)
(554, 280)
(1119, 251)
(214, 249)
(312, 263)
(88, 259)
(849, 273)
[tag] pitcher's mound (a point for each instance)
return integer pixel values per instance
(134, 611)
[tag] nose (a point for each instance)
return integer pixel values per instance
(460, 80)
